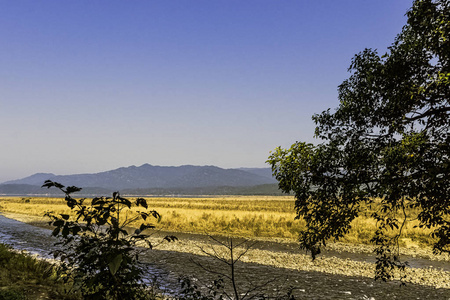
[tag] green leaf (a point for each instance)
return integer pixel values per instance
(144, 215)
(142, 202)
(65, 217)
(125, 201)
(114, 265)
(55, 231)
(155, 214)
(65, 232)
(48, 184)
(72, 189)
(146, 226)
(76, 230)
(58, 223)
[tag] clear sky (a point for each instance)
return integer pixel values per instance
(89, 86)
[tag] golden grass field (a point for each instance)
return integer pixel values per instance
(245, 216)
(260, 218)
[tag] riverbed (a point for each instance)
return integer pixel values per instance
(281, 267)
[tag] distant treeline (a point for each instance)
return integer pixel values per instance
(32, 190)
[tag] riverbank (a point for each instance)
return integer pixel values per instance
(24, 277)
(285, 265)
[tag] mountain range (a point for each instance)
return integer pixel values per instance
(148, 178)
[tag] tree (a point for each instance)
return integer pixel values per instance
(389, 138)
(96, 252)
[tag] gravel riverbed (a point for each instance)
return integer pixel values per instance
(274, 266)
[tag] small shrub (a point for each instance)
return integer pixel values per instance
(98, 254)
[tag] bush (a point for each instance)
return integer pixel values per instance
(97, 253)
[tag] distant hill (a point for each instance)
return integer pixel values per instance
(148, 177)
(27, 189)
(36, 179)
(263, 172)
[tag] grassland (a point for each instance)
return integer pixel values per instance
(264, 218)
(244, 216)
(22, 277)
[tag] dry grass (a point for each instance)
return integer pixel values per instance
(246, 216)
(260, 218)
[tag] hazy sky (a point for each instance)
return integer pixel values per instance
(89, 86)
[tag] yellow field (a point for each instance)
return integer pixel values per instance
(247, 216)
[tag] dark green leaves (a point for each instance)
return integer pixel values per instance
(68, 190)
(49, 184)
(72, 189)
(141, 202)
(125, 201)
(65, 217)
(56, 231)
(145, 226)
(144, 215)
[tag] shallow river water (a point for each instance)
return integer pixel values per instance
(26, 237)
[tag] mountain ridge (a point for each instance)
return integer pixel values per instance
(149, 176)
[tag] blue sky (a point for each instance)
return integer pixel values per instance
(89, 86)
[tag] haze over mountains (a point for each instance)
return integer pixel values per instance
(148, 178)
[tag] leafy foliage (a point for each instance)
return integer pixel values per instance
(98, 253)
(389, 138)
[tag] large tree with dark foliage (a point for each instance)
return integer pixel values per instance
(388, 139)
